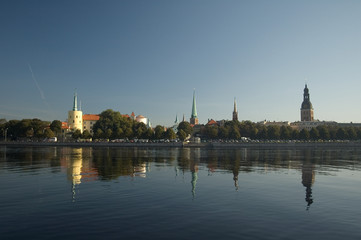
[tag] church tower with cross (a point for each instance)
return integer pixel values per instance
(306, 107)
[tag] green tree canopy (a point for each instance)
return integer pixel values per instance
(341, 134)
(182, 134)
(113, 125)
(211, 131)
(170, 134)
(314, 134)
(274, 132)
(323, 132)
(55, 126)
(186, 127)
(159, 132)
(286, 133)
(48, 133)
(304, 134)
(86, 135)
(76, 134)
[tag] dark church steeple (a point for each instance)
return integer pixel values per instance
(235, 113)
(306, 107)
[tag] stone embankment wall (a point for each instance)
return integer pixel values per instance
(190, 145)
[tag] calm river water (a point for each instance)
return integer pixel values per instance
(179, 193)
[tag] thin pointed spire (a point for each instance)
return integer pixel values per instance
(194, 107)
(235, 105)
(75, 103)
(235, 113)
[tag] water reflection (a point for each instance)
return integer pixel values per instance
(105, 164)
(232, 192)
(308, 178)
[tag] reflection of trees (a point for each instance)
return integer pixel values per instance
(112, 163)
(31, 158)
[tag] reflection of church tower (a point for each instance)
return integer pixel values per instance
(306, 107)
(194, 171)
(236, 167)
(75, 117)
(194, 117)
(74, 169)
(235, 113)
(308, 178)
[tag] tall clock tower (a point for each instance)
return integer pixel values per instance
(306, 107)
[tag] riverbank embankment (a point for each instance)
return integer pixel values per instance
(215, 145)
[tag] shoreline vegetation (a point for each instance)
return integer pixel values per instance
(115, 127)
(265, 144)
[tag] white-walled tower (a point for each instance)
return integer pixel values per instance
(75, 117)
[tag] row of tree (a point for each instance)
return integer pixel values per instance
(236, 130)
(29, 128)
(112, 125)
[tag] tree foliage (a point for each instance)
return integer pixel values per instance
(159, 132)
(23, 129)
(235, 130)
(112, 125)
(170, 134)
(186, 127)
(76, 134)
(86, 135)
(55, 126)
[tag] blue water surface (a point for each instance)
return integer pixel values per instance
(179, 193)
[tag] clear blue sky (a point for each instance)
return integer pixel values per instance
(148, 56)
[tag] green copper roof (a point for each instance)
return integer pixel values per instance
(75, 104)
(194, 108)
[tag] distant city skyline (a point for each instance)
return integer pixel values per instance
(148, 56)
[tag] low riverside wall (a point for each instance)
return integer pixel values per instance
(216, 145)
(288, 145)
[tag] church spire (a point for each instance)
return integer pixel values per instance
(75, 103)
(235, 113)
(235, 105)
(194, 108)
(194, 117)
(306, 107)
